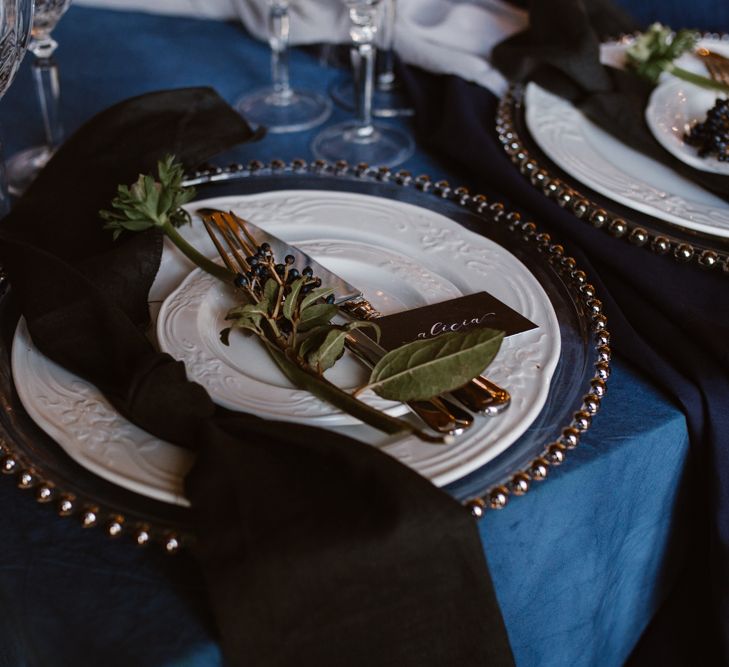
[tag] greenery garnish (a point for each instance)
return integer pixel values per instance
(425, 368)
(655, 51)
(150, 203)
(291, 313)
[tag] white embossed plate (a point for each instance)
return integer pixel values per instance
(674, 107)
(615, 170)
(80, 419)
(443, 256)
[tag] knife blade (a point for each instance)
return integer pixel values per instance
(343, 291)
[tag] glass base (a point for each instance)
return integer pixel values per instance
(385, 146)
(386, 103)
(294, 112)
(22, 168)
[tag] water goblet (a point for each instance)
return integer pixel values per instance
(16, 17)
(388, 99)
(23, 167)
(281, 108)
(362, 140)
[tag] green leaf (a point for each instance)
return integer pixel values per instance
(425, 368)
(270, 288)
(316, 315)
(249, 322)
(329, 350)
(165, 169)
(311, 297)
(247, 310)
(289, 308)
(350, 326)
(312, 339)
(269, 296)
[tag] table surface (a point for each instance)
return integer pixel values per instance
(579, 564)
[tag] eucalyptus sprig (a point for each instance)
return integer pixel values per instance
(292, 314)
(656, 50)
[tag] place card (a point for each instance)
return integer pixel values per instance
(474, 311)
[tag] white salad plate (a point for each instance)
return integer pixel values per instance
(617, 171)
(401, 255)
(674, 107)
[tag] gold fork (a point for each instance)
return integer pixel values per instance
(438, 413)
(716, 64)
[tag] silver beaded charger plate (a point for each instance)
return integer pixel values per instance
(614, 169)
(571, 398)
(609, 185)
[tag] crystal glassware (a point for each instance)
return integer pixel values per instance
(281, 108)
(16, 17)
(362, 140)
(23, 167)
(388, 98)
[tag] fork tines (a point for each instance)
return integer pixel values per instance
(716, 64)
(229, 228)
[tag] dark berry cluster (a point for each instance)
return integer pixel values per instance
(262, 265)
(712, 136)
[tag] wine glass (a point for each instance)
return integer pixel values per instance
(388, 99)
(280, 107)
(16, 17)
(362, 140)
(23, 167)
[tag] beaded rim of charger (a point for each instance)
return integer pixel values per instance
(13, 463)
(571, 199)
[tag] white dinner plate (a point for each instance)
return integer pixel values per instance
(674, 107)
(430, 256)
(80, 419)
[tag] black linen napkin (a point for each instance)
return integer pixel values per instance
(317, 549)
(669, 320)
(564, 57)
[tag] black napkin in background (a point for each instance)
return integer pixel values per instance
(564, 57)
(669, 320)
(317, 549)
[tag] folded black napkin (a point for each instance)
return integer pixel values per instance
(317, 549)
(669, 320)
(564, 57)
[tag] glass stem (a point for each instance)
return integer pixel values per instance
(363, 61)
(278, 30)
(386, 54)
(47, 83)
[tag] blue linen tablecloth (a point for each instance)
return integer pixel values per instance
(579, 564)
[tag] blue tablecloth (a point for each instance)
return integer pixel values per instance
(579, 564)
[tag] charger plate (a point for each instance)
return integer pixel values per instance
(572, 398)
